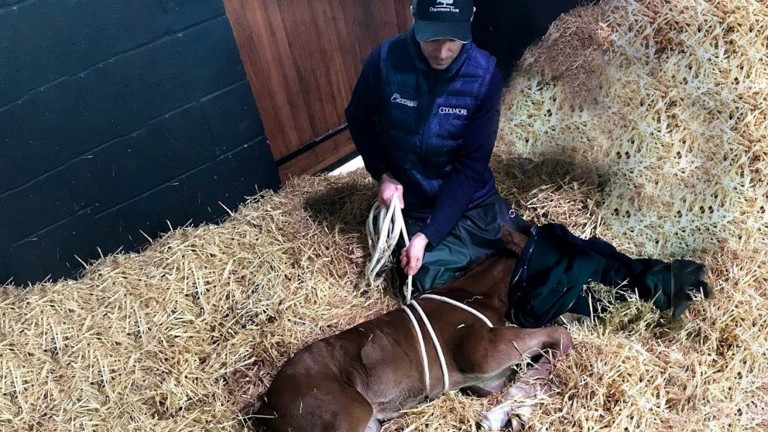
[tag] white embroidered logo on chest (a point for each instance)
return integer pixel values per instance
(396, 98)
(451, 110)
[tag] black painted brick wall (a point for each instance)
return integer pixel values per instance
(117, 117)
(506, 28)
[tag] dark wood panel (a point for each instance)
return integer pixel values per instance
(269, 65)
(403, 14)
(303, 58)
(339, 77)
(318, 158)
(314, 58)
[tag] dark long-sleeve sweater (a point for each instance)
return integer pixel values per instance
(470, 161)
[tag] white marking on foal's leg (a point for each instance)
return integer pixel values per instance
(520, 399)
(496, 418)
(373, 426)
(514, 415)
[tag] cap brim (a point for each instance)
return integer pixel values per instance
(430, 30)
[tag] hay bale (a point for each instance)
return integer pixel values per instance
(641, 122)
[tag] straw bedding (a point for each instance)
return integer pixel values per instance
(641, 122)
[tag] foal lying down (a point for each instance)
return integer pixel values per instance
(354, 380)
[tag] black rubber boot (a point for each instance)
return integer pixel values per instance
(671, 285)
(668, 285)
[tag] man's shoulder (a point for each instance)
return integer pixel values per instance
(479, 51)
(481, 56)
(396, 53)
(398, 41)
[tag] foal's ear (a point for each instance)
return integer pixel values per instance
(513, 240)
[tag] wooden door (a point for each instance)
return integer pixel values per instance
(302, 58)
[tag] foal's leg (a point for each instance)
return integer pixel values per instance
(493, 354)
(326, 405)
(518, 406)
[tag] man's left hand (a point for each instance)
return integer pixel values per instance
(412, 255)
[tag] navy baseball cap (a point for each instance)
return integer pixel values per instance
(443, 19)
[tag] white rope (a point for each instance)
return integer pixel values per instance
(391, 224)
(422, 348)
(386, 241)
(433, 336)
(438, 348)
(460, 305)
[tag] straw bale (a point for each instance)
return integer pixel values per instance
(642, 122)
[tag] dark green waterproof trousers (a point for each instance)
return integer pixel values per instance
(476, 235)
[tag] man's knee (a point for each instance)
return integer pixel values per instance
(423, 281)
(430, 277)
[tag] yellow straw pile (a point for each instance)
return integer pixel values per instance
(640, 122)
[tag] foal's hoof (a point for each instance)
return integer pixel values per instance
(504, 416)
(514, 425)
(571, 318)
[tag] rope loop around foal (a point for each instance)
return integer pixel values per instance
(382, 238)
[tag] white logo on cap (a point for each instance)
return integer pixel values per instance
(443, 6)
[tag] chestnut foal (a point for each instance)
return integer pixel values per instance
(351, 381)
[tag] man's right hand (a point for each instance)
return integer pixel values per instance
(388, 187)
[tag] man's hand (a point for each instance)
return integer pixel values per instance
(388, 187)
(412, 255)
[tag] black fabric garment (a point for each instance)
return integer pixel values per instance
(555, 266)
